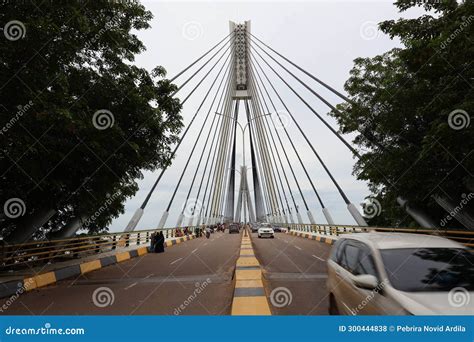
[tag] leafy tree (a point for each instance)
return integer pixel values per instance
(79, 122)
(411, 111)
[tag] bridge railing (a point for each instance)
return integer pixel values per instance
(35, 253)
(464, 237)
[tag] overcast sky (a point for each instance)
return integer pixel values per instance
(323, 37)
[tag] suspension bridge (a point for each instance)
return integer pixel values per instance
(227, 273)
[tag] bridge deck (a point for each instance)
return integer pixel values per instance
(299, 265)
(168, 283)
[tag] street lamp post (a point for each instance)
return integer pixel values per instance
(243, 129)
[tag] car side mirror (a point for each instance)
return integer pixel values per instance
(366, 281)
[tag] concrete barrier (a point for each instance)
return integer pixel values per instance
(313, 236)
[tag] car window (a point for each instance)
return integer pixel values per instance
(366, 264)
(349, 257)
(356, 258)
(429, 269)
(336, 251)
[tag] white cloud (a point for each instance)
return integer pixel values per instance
(323, 37)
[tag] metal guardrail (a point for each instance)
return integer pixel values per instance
(40, 252)
(464, 237)
(34, 253)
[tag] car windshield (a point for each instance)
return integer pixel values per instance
(429, 269)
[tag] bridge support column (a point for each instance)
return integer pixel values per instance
(198, 221)
(298, 216)
(69, 229)
(290, 218)
(190, 221)
(328, 216)
(311, 218)
(356, 215)
(132, 224)
(417, 214)
(28, 225)
(163, 220)
(180, 220)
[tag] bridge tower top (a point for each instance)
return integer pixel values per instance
(241, 57)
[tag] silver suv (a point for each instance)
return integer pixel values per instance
(400, 274)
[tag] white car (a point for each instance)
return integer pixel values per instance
(400, 274)
(266, 230)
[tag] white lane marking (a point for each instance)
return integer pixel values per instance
(130, 286)
(318, 258)
(204, 244)
(148, 276)
(298, 247)
(194, 250)
(176, 261)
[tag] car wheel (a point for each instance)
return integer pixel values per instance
(333, 310)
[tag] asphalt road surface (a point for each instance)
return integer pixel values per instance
(295, 269)
(192, 278)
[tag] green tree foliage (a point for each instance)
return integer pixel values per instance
(76, 58)
(402, 101)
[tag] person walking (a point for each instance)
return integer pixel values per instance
(160, 243)
(153, 238)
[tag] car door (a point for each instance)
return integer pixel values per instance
(348, 292)
(334, 273)
(365, 301)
